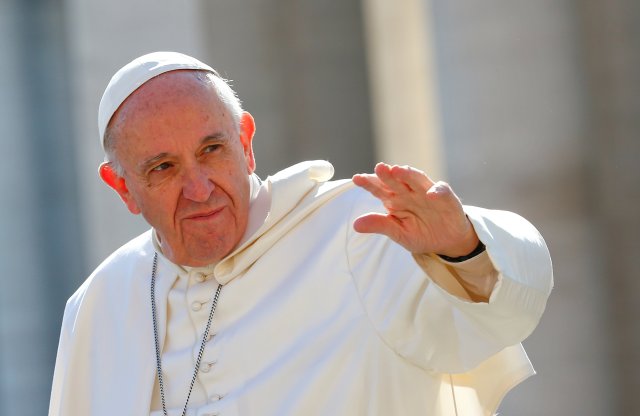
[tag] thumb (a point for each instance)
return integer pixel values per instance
(376, 223)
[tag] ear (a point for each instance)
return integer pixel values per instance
(118, 184)
(247, 130)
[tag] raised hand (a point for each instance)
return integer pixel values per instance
(422, 216)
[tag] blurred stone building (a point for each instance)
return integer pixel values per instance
(528, 106)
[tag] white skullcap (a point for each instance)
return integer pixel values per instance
(131, 76)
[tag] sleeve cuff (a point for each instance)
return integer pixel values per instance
(471, 280)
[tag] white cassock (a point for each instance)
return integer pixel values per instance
(313, 318)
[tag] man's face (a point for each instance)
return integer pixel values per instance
(186, 166)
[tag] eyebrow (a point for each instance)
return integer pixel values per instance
(146, 164)
(220, 136)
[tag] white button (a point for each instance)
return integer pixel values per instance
(210, 336)
(216, 397)
(196, 306)
(206, 367)
(200, 277)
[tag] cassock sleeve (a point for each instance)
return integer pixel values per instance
(62, 362)
(420, 309)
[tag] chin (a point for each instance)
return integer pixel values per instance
(205, 258)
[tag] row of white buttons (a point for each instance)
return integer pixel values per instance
(199, 277)
(206, 366)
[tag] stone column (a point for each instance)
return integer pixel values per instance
(515, 104)
(299, 67)
(403, 84)
(41, 250)
(612, 43)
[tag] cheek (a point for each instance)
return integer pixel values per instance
(158, 207)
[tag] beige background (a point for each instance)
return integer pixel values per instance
(527, 106)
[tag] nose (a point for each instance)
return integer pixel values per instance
(197, 185)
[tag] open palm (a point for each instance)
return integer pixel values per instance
(422, 216)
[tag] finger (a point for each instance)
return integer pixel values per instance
(442, 192)
(359, 178)
(372, 184)
(414, 178)
(377, 223)
(383, 171)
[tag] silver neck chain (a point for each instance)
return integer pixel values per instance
(205, 336)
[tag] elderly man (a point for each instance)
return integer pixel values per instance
(380, 295)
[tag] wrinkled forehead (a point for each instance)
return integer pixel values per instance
(136, 73)
(166, 97)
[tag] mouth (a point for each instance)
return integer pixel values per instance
(205, 215)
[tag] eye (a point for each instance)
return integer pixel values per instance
(211, 148)
(161, 167)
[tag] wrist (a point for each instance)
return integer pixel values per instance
(480, 248)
